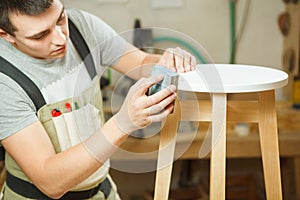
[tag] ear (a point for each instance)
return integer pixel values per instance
(9, 38)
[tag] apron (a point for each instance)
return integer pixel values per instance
(68, 127)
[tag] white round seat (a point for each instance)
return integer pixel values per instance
(229, 78)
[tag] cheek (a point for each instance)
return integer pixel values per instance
(38, 46)
(65, 31)
(35, 49)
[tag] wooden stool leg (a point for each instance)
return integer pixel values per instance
(166, 155)
(269, 145)
(218, 154)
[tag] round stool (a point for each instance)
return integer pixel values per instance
(219, 80)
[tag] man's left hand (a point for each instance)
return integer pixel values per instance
(178, 60)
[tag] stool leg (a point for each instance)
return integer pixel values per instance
(166, 155)
(269, 145)
(218, 153)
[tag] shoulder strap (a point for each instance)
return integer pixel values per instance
(82, 49)
(30, 87)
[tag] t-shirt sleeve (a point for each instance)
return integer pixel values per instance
(17, 110)
(101, 38)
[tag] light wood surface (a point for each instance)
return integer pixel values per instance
(166, 155)
(219, 80)
(218, 151)
(247, 146)
(263, 112)
(269, 144)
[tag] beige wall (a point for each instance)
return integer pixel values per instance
(206, 21)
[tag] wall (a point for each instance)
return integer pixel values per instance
(206, 21)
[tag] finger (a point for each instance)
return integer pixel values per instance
(193, 62)
(179, 59)
(142, 86)
(153, 110)
(167, 59)
(188, 68)
(161, 95)
(186, 61)
(189, 61)
(162, 115)
(157, 108)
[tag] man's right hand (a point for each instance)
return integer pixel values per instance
(139, 110)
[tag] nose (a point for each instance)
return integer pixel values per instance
(59, 37)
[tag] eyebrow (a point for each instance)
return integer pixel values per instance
(46, 31)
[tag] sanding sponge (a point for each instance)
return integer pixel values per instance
(170, 78)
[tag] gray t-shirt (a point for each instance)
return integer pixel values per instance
(17, 110)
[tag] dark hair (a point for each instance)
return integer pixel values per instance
(23, 7)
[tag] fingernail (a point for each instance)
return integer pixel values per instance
(160, 76)
(188, 68)
(172, 88)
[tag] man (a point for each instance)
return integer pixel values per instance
(35, 39)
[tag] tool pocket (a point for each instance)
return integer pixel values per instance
(62, 132)
(75, 126)
(87, 120)
(71, 125)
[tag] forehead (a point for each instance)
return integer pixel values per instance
(29, 25)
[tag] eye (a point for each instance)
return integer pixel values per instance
(41, 36)
(61, 20)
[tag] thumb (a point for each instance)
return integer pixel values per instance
(144, 84)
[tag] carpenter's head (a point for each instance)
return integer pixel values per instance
(38, 28)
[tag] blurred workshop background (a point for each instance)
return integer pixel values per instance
(253, 32)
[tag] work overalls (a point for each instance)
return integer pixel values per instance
(69, 128)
